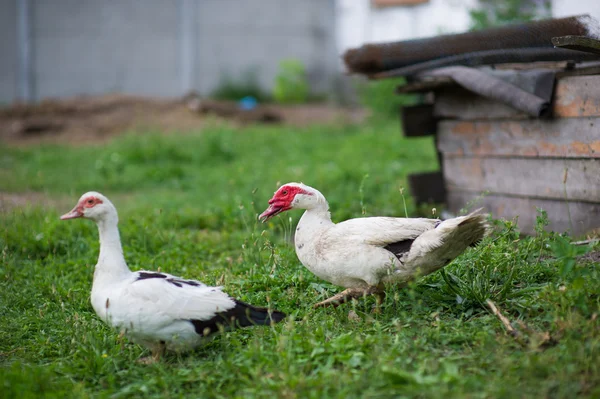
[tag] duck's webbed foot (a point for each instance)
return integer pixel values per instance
(147, 360)
(380, 295)
(347, 295)
(157, 352)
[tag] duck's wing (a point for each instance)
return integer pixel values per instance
(176, 297)
(172, 298)
(382, 231)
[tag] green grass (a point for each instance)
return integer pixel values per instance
(188, 205)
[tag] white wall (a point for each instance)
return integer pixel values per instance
(565, 8)
(358, 22)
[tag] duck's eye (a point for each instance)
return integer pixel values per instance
(90, 201)
(284, 192)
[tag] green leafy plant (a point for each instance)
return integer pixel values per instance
(235, 89)
(291, 83)
(501, 12)
(568, 255)
(576, 275)
(380, 98)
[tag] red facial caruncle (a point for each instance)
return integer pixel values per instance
(282, 201)
(77, 212)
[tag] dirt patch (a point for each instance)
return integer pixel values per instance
(58, 204)
(593, 256)
(97, 118)
(9, 201)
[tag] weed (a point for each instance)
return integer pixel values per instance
(291, 83)
(234, 89)
(490, 13)
(380, 99)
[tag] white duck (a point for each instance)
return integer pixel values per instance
(365, 253)
(156, 310)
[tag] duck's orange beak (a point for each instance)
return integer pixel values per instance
(76, 212)
(271, 211)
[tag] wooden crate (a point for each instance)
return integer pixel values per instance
(498, 158)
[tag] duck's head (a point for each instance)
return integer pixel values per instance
(293, 196)
(92, 205)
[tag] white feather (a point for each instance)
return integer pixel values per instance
(153, 310)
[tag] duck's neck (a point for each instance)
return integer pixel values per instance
(111, 262)
(314, 219)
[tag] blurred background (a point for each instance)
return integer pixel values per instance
(240, 78)
(224, 48)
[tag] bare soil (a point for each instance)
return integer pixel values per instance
(94, 119)
(593, 256)
(9, 201)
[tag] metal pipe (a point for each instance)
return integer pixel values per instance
(491, 57)
(187, 44)
(24, 45)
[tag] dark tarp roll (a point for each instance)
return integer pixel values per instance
(373, 58)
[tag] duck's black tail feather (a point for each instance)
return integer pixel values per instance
(241, 315)
(248, 315)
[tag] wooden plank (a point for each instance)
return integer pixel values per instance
(577, 96)
(418, 120)
(577, 217)
(564, 138)
(584, 68)
(459, 103)
(579, 43)
(427, 188)
(531, 177)
(553, 65)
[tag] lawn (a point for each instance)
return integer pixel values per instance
(188, 205)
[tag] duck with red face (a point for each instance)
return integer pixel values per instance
(365, 254)
(289, 196)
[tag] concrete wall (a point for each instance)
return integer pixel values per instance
(93, 47)
(236, 36)
(157, 47)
